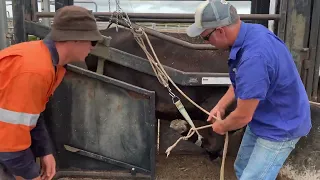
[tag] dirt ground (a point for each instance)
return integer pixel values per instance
(189, 167)
(192, 167)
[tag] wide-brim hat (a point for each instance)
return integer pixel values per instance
(75, 23)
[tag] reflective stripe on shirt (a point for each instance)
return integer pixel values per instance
(18, 117)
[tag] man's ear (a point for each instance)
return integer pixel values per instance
(220, 31)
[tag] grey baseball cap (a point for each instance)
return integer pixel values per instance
(212, 14)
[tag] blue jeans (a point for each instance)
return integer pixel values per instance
(260, 159)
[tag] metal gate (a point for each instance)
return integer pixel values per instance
(99, 123)
(312, 53)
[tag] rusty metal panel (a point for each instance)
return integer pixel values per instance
(312, 58)
(298, 29)
(111, 123)
(281, 28)
(143, 65)
(18, 21)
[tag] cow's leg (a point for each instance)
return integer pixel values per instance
(212, 143)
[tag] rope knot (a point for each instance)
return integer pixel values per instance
(185, 138)
(137, 33)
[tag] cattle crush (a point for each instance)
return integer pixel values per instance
(112, 119)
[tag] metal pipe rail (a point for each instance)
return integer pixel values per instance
(189, 21)
(104, 18)
(169, 38)
(87, 2)
(157, 17)
(172, 15)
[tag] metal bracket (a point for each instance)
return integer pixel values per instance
(100, 65)
(133, 169)
(305, 57)
(105, 42)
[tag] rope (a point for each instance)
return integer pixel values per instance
(314, 103)
(190, 133)
(157, 67)
(163, 78)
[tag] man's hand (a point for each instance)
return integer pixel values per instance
(217, 126)
(238, 118)
(214, 112)
(48, 167)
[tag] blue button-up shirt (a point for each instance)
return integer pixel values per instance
(261, 67)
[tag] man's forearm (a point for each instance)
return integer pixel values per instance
(227, 99)
(235, 121)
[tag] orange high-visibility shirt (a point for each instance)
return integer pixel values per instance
(27, 80)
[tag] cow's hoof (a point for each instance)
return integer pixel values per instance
(214, 156)
(179, 125)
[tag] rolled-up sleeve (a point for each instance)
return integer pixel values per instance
(252, 78)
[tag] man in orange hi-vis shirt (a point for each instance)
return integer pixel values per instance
(29, 74)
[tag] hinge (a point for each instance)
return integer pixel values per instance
(305, 57)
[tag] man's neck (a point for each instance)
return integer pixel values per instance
(62, 51)
(235, 32)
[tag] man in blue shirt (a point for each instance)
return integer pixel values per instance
(271, 98)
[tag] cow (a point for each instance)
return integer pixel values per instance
(212, 143)
(177, 57)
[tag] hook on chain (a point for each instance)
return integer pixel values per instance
(174, 98)
(120, 14)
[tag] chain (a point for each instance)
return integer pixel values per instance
(109, 6)
(118, 12)
(119, 15)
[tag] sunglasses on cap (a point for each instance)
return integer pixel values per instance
(94, 43)
(207, 37)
